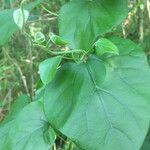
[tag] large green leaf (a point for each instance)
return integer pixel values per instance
(7, 24)
(102, 105)
(146, 144)
(16, 107)
(4, 130)
(5, 126)
(81, 21)
(31, 130)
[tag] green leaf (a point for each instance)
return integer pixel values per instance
(57, 39)
(105, 46)
(146, 144)
(102, 105)
(4, 130)
(20, 17)
(16, 107)
(31, 130)
(81, 21)
(5, 126)
(48, 68)
(39, 37)
(7, 3)
(7, 24)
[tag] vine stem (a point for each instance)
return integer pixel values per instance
(29, 48)
(60, 52)
(50, 12)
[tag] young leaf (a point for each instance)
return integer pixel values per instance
(105, 46)
(20, 17)
(31, 130)
(48, 68)
(106, 104)
(57, 39)
(39, 37)
(81, 21)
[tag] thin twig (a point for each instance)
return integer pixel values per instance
(141, 21)
(148, 8)
(50, 12)
(31, 68)
(23, 78)
(29, 48)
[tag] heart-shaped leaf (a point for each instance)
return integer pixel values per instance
(81, 21)
(102, 105)
(8, 122)
(20, 17)
(31, 130)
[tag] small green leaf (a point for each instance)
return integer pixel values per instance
(105, 46)
(39, 37)
(20, 17)
(48, 68)
(57, 39)
(31, 130)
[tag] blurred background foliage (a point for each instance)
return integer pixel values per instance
(19, 60)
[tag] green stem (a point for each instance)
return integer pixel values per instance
(49, 11)
(22, 11)
(70, 146)
(61, 52)
(29, 48)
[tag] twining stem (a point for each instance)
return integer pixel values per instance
(50, 12)
(60, 52)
